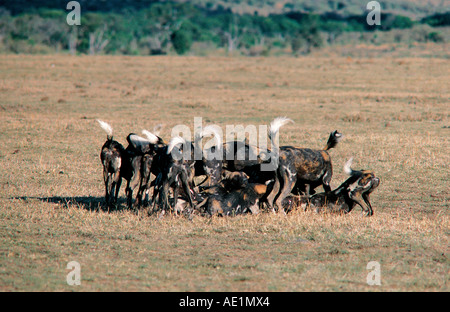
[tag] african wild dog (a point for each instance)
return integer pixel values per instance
(304, 167)
(141, 152)
(354, 191)
(114, 158)
(232, 196)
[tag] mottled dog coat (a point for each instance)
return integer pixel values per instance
(302, 167)
(234, 195)
(115, 163)
(354, 191)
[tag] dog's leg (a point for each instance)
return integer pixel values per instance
(143, 184)
(200, 205)
(139, 195)
(156, 192)
(106, 180)
(115, 186)
(187, 190)
(164, 195)
(326, 180)
(274, 192)
(110, 189)
(134, 182)
(358, 198)
(153, 206)
(307, 189)
(118, 184)
(175, 195)
(154, 199)
(367, 201)
(145, 201)
(128, 193)
(289, 178)
(326, 187)
(144, 180)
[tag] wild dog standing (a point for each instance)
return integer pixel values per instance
(242, 156)
(113, 157)
(147, 163)
(210, 164)
(174, 171)
(179, 173)
(141, 152)
(250, 159)
(354, 191)
(305, 167)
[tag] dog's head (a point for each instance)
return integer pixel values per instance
(233, 180)
(359, 186)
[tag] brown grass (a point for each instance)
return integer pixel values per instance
(394, 114)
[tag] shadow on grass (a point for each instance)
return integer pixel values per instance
(89, 203)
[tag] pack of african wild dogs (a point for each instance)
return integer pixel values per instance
(234, 177)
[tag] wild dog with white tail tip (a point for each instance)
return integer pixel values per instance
(174, 171)
(113, 157)
(141, 152)
(304, 167)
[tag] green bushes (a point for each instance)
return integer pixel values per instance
(181, 41)
(172, 27)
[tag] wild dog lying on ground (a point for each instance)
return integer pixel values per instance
(304, 167)
(115, 163)
(232, 196)
(354, 191)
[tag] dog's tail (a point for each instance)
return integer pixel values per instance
(333, 140)
(157, 129)
(274, 152)
(348, 167)
(153, 138)
(212, 130)
(274, 128)
(139, 143)
(174, 142)
(207, 131)
(108, 129)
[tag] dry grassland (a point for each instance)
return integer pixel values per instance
(394, 113)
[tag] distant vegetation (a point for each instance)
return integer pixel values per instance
(155, 27)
